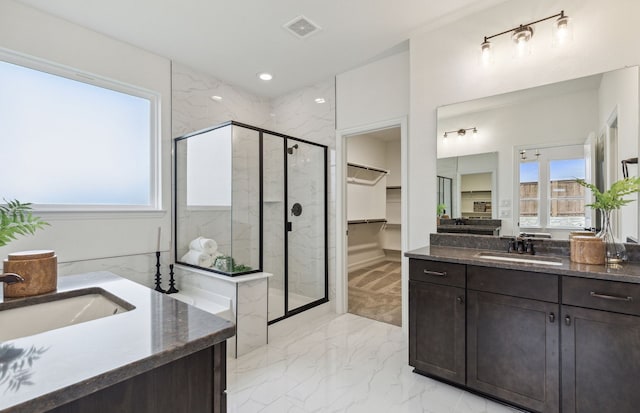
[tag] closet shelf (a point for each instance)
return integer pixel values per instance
(367, 221)
(363, 174)
(394, 187)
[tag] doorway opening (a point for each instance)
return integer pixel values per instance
(374, 224)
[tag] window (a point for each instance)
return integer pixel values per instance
(529, 194)
(566, 197)
(66, 143)
(552, 173)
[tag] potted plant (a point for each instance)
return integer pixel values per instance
(607, 201)
(440, 211)
(16, 219)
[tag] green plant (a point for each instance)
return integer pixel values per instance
(441, 209)
(16, 219)
(613, 198)
(227, 264)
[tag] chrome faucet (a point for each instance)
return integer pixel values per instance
(11, 278)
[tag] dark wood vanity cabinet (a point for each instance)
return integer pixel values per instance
(600, 346)
(513, 336)
(540, 341)
(437, 319)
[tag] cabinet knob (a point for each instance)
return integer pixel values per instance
(460, 300)
(567, 320)
(552, 317)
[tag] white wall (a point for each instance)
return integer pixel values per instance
(372, 93)
(618, 94)
(78, 237)
(445, 69)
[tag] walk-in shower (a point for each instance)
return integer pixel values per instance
(250, 200)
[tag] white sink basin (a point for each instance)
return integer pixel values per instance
(25, 317)
(526, 259)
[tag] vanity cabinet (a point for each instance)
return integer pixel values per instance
(437, 319)
(537, 340)
(600, 346)
(513, 336)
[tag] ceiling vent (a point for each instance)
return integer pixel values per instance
(302, 27)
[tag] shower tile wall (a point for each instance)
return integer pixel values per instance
(273, 223)
(295, 114)
(194, 109)
(306, 240)
(246, 198)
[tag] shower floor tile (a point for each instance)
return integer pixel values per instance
(341, 363)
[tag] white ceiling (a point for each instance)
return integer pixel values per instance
(233, 40)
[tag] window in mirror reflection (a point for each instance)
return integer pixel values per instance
(549, 197)
(566, 197)
(529, 194)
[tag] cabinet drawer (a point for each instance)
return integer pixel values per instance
(525, 284)
(437, 272)
(601, 295)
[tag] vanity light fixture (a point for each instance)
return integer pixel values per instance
(462, 132)
(523, 33)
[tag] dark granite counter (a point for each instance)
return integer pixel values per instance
(469, 229)
(74, 361)
(626, 272)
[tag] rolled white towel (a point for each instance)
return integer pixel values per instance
(199, 258)
(204, 244)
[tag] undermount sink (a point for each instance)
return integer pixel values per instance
(521, 258)
(25, 317)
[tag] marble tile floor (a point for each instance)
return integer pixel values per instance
(341, 363)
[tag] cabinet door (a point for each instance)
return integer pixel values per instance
(436, 330)
(600, 361)
(512, 349)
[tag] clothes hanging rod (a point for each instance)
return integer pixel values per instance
(368, 168)
(367, 221)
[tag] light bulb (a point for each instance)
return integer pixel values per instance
(486, 52)
(562, 31)
(521, 37)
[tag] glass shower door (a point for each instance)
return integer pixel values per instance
(306, 227)
(273, 184)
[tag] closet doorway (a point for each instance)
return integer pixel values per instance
(373, 217)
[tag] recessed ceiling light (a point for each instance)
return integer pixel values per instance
(320, 100)
(216, 97)
(265, 76)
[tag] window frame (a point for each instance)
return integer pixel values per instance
(565, 151)
(155, 181)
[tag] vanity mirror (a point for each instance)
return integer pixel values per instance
(589, 124)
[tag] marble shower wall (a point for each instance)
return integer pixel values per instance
(235, 228)
(295, 114)
(194, 109)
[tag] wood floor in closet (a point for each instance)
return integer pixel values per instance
(375, 292)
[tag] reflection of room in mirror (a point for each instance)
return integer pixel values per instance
(598, 113)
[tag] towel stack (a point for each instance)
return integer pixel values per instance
(202, 252)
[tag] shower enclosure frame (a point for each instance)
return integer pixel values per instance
(287, 224)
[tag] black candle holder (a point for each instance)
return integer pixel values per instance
(158, 286)
(172, 282)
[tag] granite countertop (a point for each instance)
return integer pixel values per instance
(626, 272)
(467, 227)
(71, 362)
